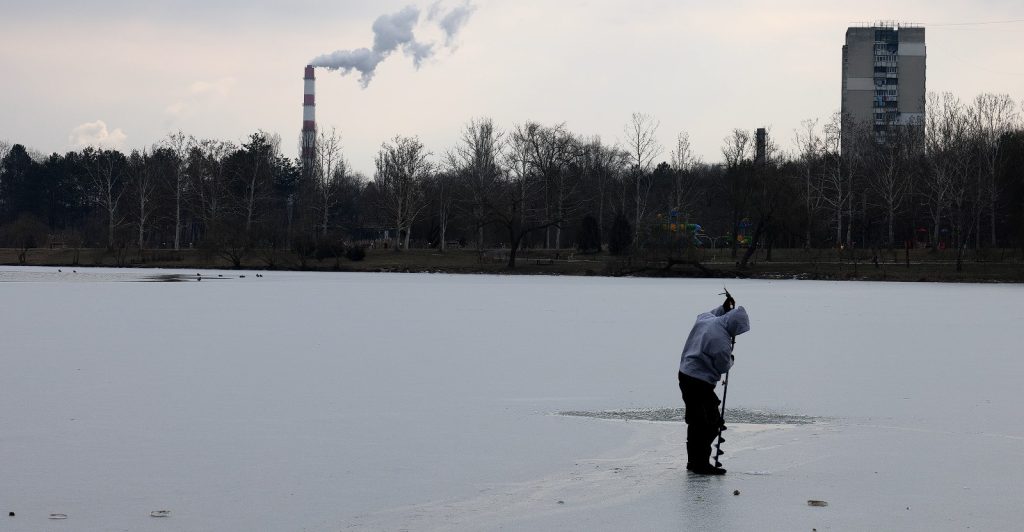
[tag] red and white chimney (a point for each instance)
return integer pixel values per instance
(309, 119)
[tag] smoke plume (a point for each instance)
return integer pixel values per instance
(97, 135)
(393, 32)
(452, 21)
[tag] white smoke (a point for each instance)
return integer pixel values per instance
(452, 21)
(218, 87)
(391, 32)
(97, 135)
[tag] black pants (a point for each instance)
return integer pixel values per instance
(702, 418)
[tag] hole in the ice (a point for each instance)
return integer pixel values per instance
(732, 415)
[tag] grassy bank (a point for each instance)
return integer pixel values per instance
(1002, 265)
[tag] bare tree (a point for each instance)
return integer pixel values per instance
(768, 185)
(330, 170)
(811, 151)
(683, 161)
(551, 151)
(442, 186)
(964, 204)
(520, 203)
(994, 116)
(180, 145)
(948, 145)
(143, 179)
(737, 147)
(736, 188)
(208, 178)
(24, 233)
(255, 176)
(853, 144)
(105, 170)
(402, 167)
(475, 163)
(890, 177)
(5, 148)
(832, 192)
(643, 148)
(603, 165)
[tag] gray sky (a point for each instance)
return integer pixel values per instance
(226, 69)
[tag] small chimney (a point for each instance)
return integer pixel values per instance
(762, 142)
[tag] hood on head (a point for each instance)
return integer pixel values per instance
(736, 321)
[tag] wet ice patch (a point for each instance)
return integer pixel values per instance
(169, 278)
(738, 415)
(67, 275)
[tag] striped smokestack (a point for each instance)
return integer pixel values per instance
(309, 119)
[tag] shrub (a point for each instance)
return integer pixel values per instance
(356, 253)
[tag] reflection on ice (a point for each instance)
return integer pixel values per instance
(102, 275)
(737, 415)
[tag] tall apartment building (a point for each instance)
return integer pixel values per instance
(883, 76)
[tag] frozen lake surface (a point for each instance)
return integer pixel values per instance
(318, 401)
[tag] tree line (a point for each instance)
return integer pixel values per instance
(955, 181)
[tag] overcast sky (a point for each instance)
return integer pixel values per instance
(125, 73)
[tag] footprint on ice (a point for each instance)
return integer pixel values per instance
(160, 513)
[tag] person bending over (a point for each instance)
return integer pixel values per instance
(707, 355)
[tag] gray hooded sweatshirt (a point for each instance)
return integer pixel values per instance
(707, 354)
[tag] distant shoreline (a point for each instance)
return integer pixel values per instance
(1001, 266)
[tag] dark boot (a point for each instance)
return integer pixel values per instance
(707, 436)
(699, 438)
(697, 451)
(706, 469)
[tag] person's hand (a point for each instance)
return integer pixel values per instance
(729, 304)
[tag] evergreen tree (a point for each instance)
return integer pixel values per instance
(590, 235)
(622, 236)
